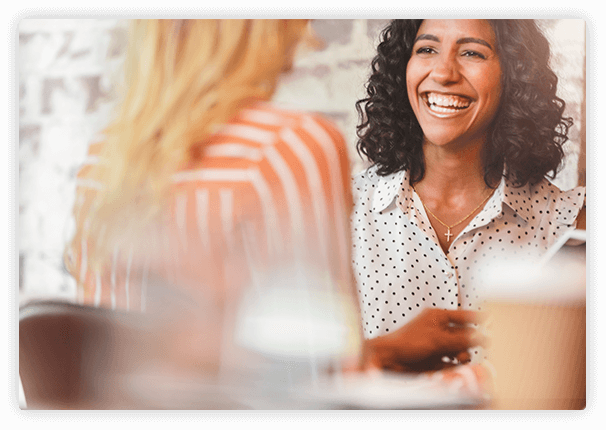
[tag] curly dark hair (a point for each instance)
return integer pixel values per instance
(529, 129)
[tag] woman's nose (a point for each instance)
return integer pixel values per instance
(445, 69)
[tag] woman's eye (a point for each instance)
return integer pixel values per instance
(475, 54)
(425, 50)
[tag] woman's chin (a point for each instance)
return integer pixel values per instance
(441, 140)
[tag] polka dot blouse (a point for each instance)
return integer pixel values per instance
(399, 266)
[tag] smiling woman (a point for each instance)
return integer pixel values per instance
(529, 129)
(462, 126)
(453, 81)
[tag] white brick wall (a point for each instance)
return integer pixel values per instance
(66, 70)
(66, 67)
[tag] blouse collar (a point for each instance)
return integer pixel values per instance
(397, 185)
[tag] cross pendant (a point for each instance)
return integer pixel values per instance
(448, 235)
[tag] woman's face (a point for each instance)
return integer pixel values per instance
(454, 80)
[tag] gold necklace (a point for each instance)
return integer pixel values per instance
(448, 234)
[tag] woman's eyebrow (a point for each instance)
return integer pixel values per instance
(460, 41)
(473, 40)
(426, 37)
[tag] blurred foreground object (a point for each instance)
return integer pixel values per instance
(262, 352)
(68, 355)
(77, 357)
(537, 326)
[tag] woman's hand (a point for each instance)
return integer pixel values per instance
(422, 343)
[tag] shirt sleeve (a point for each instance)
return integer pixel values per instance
(568, 205)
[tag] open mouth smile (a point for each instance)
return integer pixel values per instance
(445, 103)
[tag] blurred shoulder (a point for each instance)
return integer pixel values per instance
(367, 176)
(364, 182)
(567, 205)
(276, 118)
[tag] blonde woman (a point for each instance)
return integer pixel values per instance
(200, 185)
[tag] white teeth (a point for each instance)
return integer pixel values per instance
(442, 109)
(446, 103)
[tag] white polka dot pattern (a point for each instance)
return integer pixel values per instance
(399, 266)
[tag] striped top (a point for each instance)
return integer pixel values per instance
(269, 187)
(277, 179)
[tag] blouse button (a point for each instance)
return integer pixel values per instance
(450, 275)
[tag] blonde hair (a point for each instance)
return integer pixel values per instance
(183, 79)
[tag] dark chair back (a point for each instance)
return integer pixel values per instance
(68, 355)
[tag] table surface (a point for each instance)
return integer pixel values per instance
(376, 391)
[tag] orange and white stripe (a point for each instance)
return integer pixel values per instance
(277, 180)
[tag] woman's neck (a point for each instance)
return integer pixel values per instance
(449, 171)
